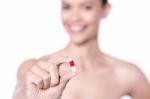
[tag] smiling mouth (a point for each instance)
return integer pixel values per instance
(77, 29)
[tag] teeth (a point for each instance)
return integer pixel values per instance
(76, 28)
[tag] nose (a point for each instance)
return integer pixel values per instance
(75, 15)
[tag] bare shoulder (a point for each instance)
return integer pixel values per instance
(126, 69)
(130, 77)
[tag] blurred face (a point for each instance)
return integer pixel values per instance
(81, 19)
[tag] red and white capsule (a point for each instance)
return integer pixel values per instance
(72, 65)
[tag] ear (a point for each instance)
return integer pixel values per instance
(106, 10)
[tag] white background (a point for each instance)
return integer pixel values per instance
(32, 28)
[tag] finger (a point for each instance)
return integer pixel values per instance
(65, 79)
(59, 60)
(53, 70)
(65, 74)
(44, 75)
(64, 60)
(64, 68)
(34, 80)
(43, 66)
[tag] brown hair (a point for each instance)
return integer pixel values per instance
(104, 2)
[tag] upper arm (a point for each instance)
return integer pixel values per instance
(139, 86)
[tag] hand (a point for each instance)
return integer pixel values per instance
(47, 80)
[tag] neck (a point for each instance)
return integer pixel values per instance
(86, 50)
(86, 53)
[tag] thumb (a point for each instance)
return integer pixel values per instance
(65, 79)
(66, 74)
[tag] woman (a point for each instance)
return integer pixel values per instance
(98, 75)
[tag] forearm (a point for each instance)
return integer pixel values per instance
(20, 92)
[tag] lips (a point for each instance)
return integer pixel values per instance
(77, 29)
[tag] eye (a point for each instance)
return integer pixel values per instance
(66, 7)
(87, 7)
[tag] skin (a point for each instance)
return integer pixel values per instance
(98, 75)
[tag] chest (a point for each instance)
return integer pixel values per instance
(92, 87)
